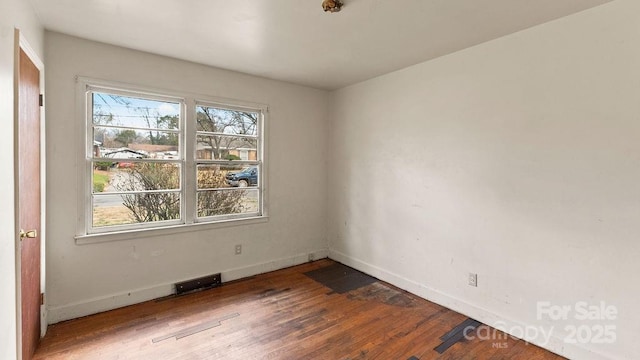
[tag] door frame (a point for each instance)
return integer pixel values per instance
(21, 43)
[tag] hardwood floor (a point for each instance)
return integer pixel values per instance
(280, 315)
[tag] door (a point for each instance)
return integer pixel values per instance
(28, 187)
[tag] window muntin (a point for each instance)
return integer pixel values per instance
(140, 175)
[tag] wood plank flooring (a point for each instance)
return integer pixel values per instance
(280, 315)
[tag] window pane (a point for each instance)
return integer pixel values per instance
(135, 144)
(119, 110)
(232, 122)
(224, 147)
(114, 209)
(134, 176)
(227, 176)
(214, 176)
(227, 201)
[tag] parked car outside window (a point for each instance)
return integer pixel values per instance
(244, 178)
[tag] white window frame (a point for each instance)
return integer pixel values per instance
(189, 221)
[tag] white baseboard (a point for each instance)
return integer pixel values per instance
(44, 313)
(97, 305)
(555, 344)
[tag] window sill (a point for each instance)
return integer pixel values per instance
(167, 230)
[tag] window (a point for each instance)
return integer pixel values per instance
(156, 160)
(227, 183)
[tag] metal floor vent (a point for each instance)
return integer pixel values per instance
(203, 283)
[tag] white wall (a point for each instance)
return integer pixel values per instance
(518, 159)
(88, 278)
(13, 14)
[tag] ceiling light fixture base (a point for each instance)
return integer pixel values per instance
(332, 5)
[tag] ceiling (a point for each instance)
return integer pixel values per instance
(294, 40)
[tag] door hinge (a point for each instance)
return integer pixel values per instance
(41, 298)
(41, 100)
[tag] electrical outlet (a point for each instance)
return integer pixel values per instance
(238, 249)
(473, 279)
